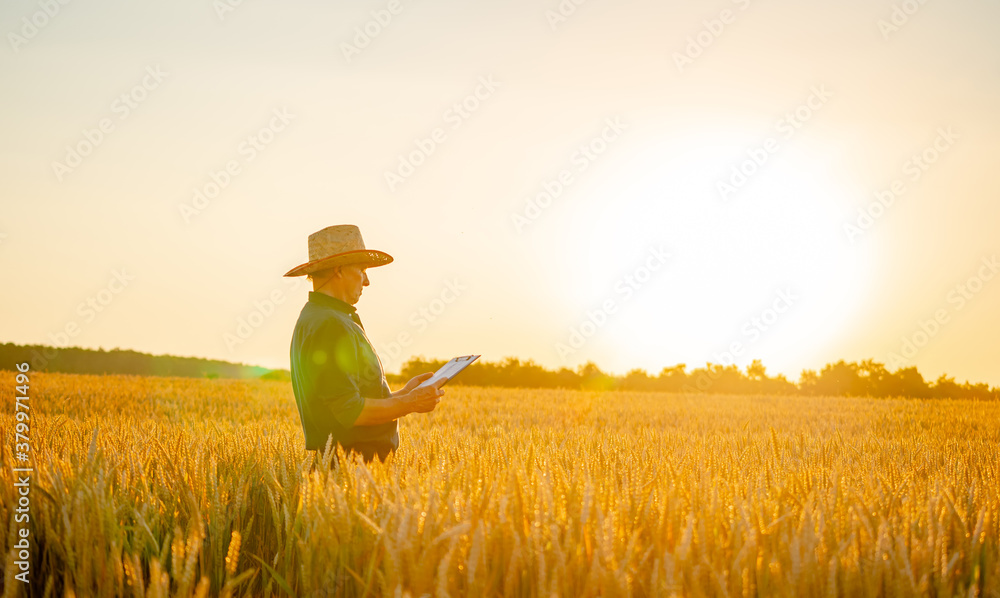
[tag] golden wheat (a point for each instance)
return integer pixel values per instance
(183, 487)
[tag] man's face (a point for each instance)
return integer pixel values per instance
(354, 278)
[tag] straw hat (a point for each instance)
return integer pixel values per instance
(338, 245)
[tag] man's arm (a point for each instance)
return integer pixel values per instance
(380, 411)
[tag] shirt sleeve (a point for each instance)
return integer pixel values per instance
(334, 359)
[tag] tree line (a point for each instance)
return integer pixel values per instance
(865, 378)
(75, 360)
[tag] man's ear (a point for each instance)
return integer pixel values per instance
(328, 273)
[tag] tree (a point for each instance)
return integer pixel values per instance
(672, 379)
(873, 378)
(592, 378)
(907, 382)
(840, 378)
(809, 382)
(638, 379)
(756, 371)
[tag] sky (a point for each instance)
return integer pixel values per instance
(636, 183)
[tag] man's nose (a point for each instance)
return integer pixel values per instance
(366, 279)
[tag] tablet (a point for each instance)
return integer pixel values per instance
(450, 370)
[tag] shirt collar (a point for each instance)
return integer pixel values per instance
(332, 302)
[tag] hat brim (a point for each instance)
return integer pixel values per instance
(369, 257)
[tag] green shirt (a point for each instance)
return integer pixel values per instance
(334, 368)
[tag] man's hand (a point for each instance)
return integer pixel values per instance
(424, 400)
(413, 383)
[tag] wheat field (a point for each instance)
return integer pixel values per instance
(185, 487)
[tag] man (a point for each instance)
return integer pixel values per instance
(340, 388)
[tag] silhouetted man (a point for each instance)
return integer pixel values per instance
(340, 388)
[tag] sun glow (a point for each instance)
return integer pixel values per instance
(766, 268)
